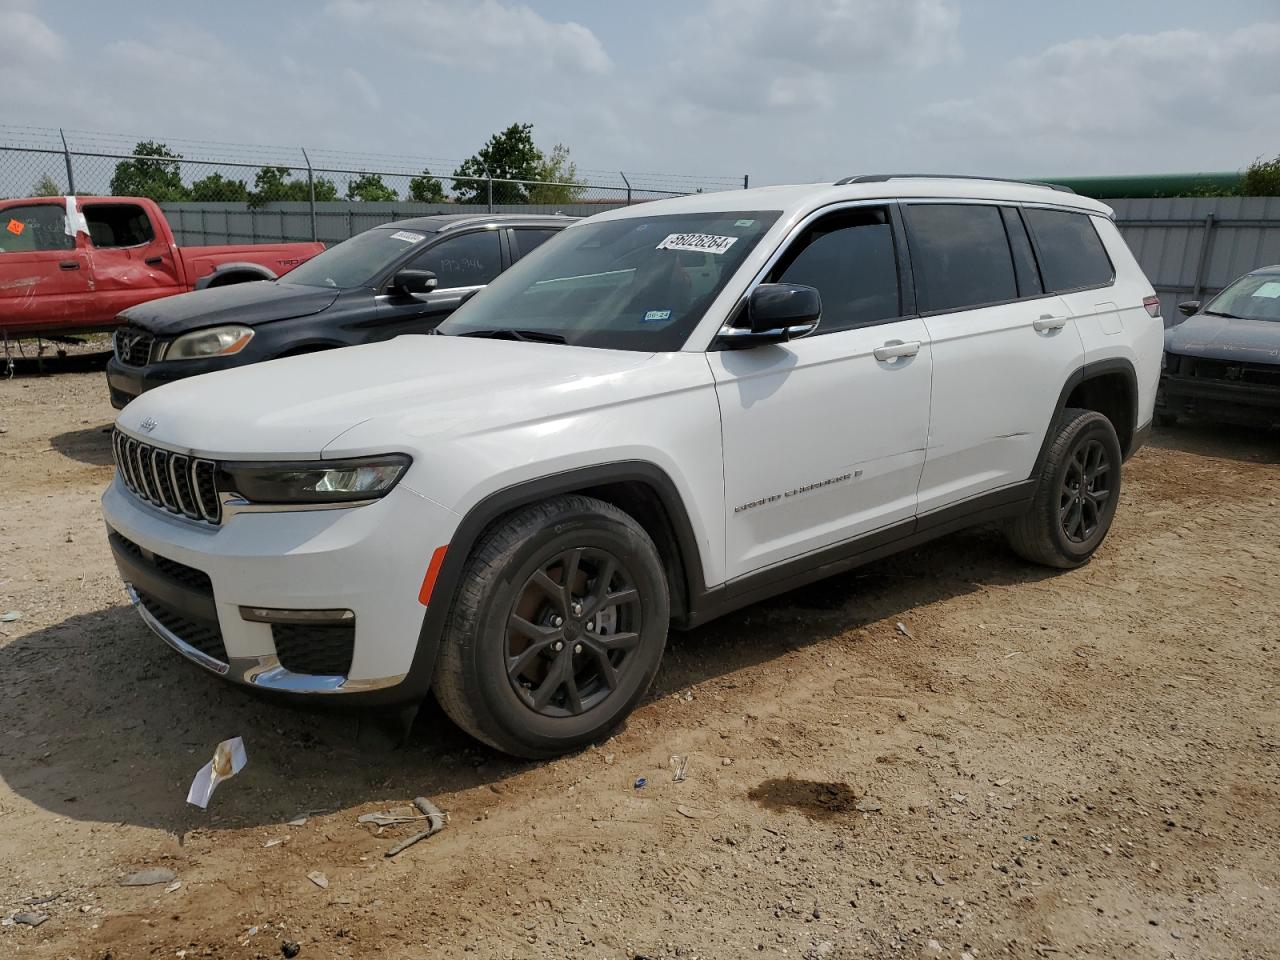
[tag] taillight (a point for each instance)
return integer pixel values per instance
(1153, 305)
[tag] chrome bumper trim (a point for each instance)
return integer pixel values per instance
(264, 672)
(171, 638)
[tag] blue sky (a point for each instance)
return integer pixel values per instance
(785, 90)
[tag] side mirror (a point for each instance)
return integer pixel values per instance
(409, 282)
(1189, 308)
(776, 313)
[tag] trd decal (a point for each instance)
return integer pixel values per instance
(796, 491)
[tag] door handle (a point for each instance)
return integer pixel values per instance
(896, 348)
(69, 265)
(153, 261)
(1047, 323)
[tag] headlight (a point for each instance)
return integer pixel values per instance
(321, 481)
(214, 342)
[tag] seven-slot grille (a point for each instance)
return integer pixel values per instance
(174, 481)
(133, 347)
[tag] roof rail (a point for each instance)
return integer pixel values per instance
(882, 177)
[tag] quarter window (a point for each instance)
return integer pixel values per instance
(849, 258)
(40, 226)
(960, 256)
(1071, 254)
(469, 260)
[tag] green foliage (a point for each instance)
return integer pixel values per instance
(216, 187)
(426, 189)
(1262, 178)
(159, 178)
(272, 185)
(46, 186)
(560, 179)
(369, 188)
(509, 155)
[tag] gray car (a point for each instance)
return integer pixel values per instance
(1223, 361)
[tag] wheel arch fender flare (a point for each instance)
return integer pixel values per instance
(498, 504)
(1086, 372)
(220, 273)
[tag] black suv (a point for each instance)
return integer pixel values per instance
(402, 277)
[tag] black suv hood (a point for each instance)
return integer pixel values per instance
(260, 301)
(1225, 338)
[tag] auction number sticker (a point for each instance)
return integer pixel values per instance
(16, 227)
(407, 236)
(701, 242)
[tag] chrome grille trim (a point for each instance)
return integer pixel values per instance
(133, 347)
(174, 482)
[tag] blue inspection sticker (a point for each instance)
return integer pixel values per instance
(657, 316)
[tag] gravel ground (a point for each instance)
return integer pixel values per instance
(1038, 764)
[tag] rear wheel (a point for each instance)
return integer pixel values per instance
(1075, 499)
(557, 630)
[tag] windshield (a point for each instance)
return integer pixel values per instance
(639, 283)
(1255, 297)
(356, 262)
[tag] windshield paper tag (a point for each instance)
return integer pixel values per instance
(702, 242)
(657, 316)
(1270, 290)
(407, 236)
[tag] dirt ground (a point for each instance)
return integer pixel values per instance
(1039, 764)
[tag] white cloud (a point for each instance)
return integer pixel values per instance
(477, 35)
(361, 84)
(760, 55)
(1136, 101)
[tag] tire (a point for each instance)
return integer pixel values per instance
(1065, 525)
(553, 699)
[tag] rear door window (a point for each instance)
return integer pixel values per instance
(1072, 256)
(469, 260)
(527, 239)
(960, 256)
(849, 258)
(40, 226)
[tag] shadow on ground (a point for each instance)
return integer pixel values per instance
(102, 722)
(1221, 440)
(91, 445)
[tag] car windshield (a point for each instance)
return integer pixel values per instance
(638, 283)
(356, 262)
(1255, 297)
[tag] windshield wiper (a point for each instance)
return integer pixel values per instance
(1219, 313)
(529, 336)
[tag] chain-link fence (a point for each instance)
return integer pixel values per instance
(234, 193)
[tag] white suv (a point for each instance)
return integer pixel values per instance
(664, 413)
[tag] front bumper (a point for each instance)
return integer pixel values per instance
(126, 381)
(190, 582)
(1247, 403)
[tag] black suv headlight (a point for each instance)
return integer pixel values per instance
(314, 481)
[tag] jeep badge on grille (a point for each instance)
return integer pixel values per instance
(148, 424)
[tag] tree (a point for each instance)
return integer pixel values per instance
(559, 178)
(1262, 178)
(369, 188)
(159, 178)
(426, 189)
(216, 187)
(46, 186)
(509, 155)
(270, 186)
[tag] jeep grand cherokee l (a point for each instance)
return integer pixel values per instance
(664, 413)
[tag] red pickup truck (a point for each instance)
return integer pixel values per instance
(71, 264)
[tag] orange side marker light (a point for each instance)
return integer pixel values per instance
(433, 571)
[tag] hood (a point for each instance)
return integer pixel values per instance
(249, 303)
(1225, 338)
(414, 386)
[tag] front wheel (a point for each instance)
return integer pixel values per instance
(557, 630)
(1075, 499)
